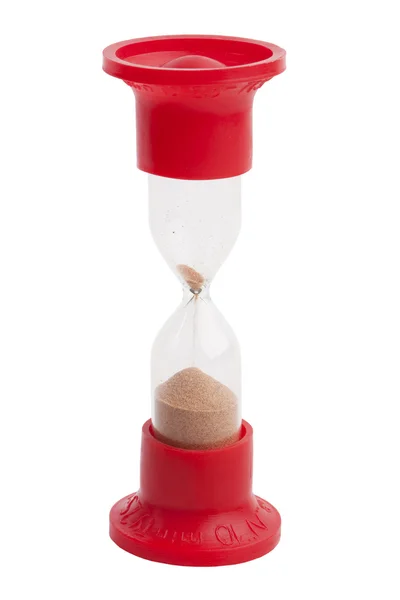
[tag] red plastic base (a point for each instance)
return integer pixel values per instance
(194, 507)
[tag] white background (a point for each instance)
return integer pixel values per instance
(311, 289)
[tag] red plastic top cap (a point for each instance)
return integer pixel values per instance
(194, 98)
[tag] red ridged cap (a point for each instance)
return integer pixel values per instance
(194, 98)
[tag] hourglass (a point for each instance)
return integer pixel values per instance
(194, 97)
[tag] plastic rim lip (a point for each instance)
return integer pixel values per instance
(131, 72)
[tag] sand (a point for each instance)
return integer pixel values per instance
(194, 280)
(194, 410)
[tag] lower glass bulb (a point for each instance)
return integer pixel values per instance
(196, 377)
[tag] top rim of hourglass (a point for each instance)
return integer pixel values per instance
(193, 60)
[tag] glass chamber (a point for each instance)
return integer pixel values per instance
(195, 363)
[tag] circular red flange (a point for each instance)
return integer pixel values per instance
(195, 508)
(194, 99)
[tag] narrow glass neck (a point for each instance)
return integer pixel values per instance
(197, 296)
